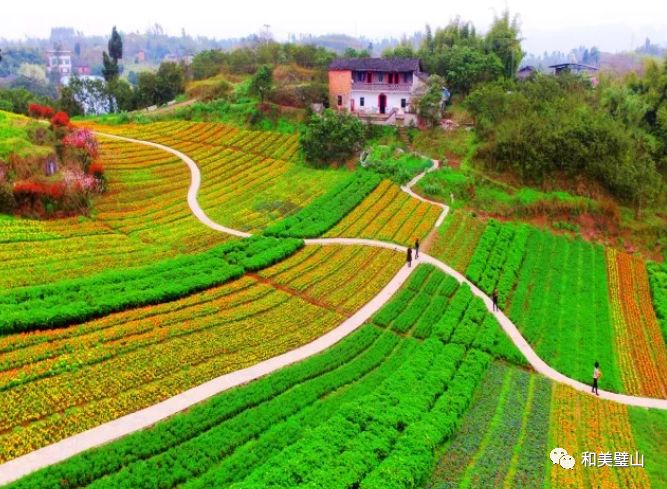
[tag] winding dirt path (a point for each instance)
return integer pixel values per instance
(144, 418)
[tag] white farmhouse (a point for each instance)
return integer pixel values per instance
(376, 86)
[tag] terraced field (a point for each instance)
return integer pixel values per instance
(60, 382)
(144, 217)
(388, 214)
(249, 179)
(380, 387)
(516, 418)
(430, 392)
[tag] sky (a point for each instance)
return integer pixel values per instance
(612, 25)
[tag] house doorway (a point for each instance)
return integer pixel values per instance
(351, 105)
(382, 103)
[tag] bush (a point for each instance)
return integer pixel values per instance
(40, 111)
(331, 137)
(60, 119)
(400, 168)
(7, 200)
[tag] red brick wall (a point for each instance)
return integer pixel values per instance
(340, 83)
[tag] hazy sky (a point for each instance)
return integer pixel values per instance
(554, 25)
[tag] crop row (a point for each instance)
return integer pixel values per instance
(349, 272)
(582, 423)
(325, 212)
(356, 440)
(83, 469)
(504, 436)
(433, 304)
(279, 146)
(388, 214)
(223, 440)
(561, 306)
(657, 273)
(497, 259)
(457, 238)
(76, 300)
(639, 343)
(59, 382)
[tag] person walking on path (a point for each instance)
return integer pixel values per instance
(494, 297)
(416, 248)
(596, 376)
(409, 257)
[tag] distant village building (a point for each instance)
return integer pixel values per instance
(140, 57)
(80, 68)
(578, 69)
(526, 72)
(376, 86)
(170, 58)
(59, 61)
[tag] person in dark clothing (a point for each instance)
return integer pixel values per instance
(596, 376)
(494, 297)
(416, 248)
(409, 257)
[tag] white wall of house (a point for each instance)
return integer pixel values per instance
(371, 100)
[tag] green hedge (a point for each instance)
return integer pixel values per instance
(325, 212)
(73, 301)
(657, 274)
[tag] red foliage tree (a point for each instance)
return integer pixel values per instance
(60, 119)
(40, 111)
(96, 169)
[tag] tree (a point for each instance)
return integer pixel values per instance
(121, 92)
(331, 137)
(110, 60)
(110, 70)
(115, 45)
(429, 106)
(503, 40)
(169, 82)
(261, 83)
(146, 92)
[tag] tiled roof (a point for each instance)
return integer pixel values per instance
(376, 64)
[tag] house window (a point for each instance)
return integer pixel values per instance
(390, 78)
(380, 77)
(369, 77)
(404, 103)
(407, 77)
(340, 100)
(360, 76)
(361, 101)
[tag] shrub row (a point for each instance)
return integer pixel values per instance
(468, 327)
(483, 251)
(457, 306)
(431, 315)
(325, 212)
(496, 259)
(247, 458)
(353, 442)
(411, 459)
(87, 467)
(657, 274)
(513, 261)
(76, 300)
(412, 313)
(196, 456)
(492, 339)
